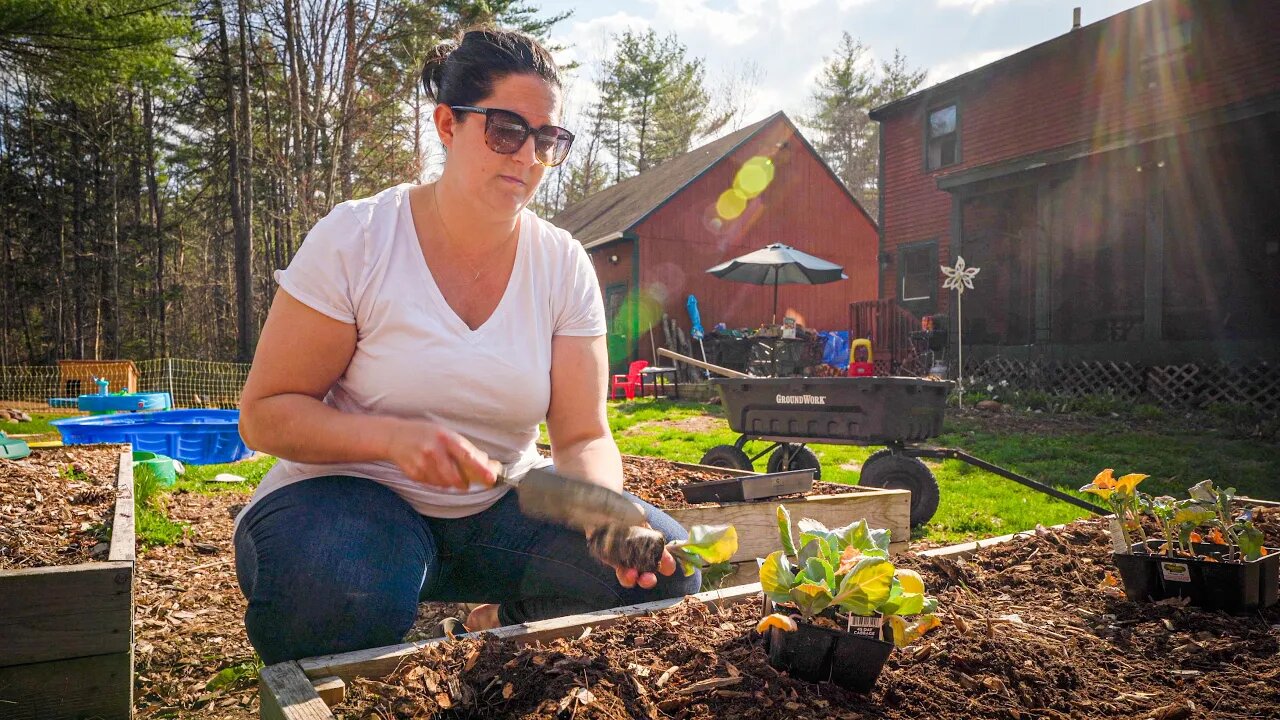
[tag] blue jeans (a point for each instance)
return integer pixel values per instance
(338, 563)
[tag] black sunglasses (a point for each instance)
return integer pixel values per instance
(505, 133)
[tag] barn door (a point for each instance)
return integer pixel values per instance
(619, 326)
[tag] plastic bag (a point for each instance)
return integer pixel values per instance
(835, 350)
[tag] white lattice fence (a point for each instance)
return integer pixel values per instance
(1256, 385)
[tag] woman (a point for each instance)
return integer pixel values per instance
(418, 338)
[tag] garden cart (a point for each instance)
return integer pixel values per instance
(896, 412)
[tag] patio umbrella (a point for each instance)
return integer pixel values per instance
(779, 264)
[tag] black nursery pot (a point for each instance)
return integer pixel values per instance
(818, 654)
(1228, 586)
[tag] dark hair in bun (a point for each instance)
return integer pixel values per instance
(462, 71)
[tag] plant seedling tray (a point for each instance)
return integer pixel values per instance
(1230, 586)
(749, 487)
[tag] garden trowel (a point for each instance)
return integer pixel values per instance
(576, 504)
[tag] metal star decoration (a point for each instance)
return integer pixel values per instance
(959, 278)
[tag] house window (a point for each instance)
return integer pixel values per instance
(918, 276)
(943, 138)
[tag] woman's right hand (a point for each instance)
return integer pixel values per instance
(435, 455)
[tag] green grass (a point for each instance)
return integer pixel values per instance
(975, 503)
(153, 526)
(197, 477)
(39, 425)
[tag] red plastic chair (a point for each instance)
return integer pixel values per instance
(628, 383)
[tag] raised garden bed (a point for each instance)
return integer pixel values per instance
(66, 594)
(1032, 629)
(658, 481)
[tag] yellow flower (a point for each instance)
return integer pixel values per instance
(1103, 485)
(778, 620)
(1128, 483)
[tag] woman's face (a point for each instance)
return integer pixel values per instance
(505, 183)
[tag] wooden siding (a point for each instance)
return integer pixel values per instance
(1087, 86)
(804, 206)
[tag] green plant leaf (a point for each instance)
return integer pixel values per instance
(880, 539)
(813, 547)
(866, 587)
(1204, 492)
(776, 577)
(905, 633)
(713, 543)
(818, 570)
(855, 534)
(713, 575)
(1193, 515)
(1250, 540)
(902, 603)
(784, 530)
(811, 598)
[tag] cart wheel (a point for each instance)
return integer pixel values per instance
(790, 456)
(884, 469)
(727, 456)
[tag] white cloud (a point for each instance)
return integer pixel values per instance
(975, 6)
(948, 69)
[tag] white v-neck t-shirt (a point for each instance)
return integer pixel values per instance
(415, 358)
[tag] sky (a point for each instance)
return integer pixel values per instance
(786, 40)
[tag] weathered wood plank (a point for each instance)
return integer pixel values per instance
(332, 690)
(377, 662)
(757, 523)
(99, 686)
(286, 694)
(122, 525)
(55, 613)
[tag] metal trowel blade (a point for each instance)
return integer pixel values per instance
(577, 504)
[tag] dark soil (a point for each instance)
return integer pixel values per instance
(658, 481)
(56, 506)
(1031, 629)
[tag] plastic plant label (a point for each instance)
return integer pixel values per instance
(865, 626)
(1117, 537)
(1175, 572)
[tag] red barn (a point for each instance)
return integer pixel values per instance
(652, 237)
(1116, 184)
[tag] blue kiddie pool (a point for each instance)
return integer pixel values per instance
(196, 437)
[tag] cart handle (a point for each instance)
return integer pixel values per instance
(703, 365)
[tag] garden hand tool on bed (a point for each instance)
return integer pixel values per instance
(618, 533)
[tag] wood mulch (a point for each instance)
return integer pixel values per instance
(56, 506)
(1029, 631)
(657, 482)
(190, 629)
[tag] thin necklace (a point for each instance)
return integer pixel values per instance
(435, 199)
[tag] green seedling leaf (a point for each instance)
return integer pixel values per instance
(707, 544)
(809, 525)
(1250, 540)
(818, 570)
(866, 587)
(811, 598)
(784, 530)
(776, 577)
(879, 541)
(813, 547)
(855, 534)
(713, 575)
(905, 633)
(1193, 514)
(1204, 491)
(901, 602)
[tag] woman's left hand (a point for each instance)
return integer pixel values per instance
(630, 577)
